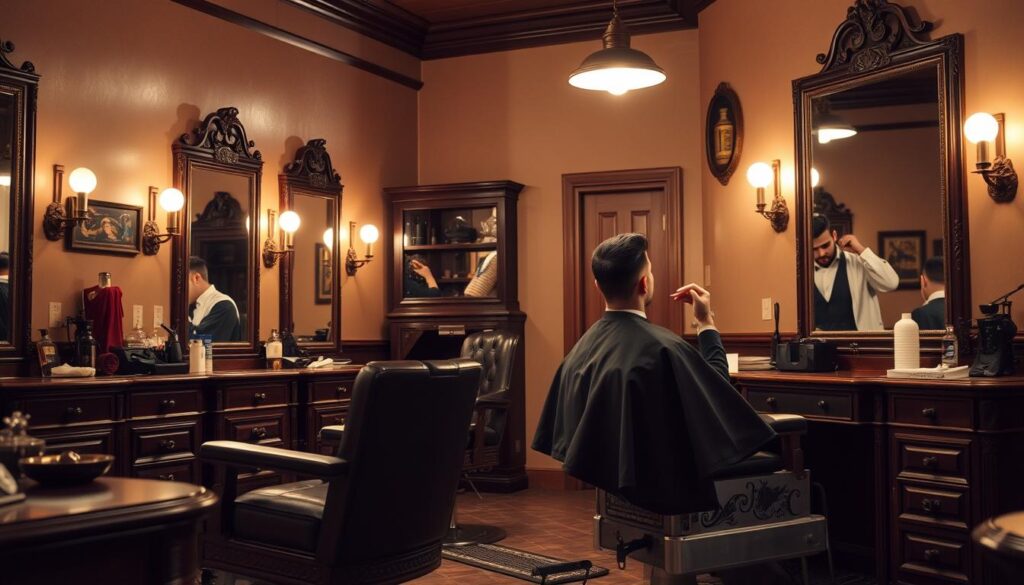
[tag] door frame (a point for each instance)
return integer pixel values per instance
(575, 186)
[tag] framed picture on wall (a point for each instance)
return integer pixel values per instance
(109, 228)
(723, 133)
(905, 251)
(322, 275)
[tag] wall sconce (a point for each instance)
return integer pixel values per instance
(760, 175)
(368, 234)
(289, 225)
(980, 129)
(171, 200)
(815, 177)
(75, 209)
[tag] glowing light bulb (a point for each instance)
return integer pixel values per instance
(815, 177)
(172, 200)
(82, 180)
(368, 233)
(981, 127)
(329, 238)
(760, 175)
(290, 221)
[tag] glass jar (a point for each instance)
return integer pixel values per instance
(16, 443)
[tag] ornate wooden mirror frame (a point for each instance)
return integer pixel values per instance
(22, 83)
(312, 175)
(877, 41)
(218, 144)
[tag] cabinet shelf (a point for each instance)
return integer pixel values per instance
(467, 247)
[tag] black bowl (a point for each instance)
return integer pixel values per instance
(50, 470)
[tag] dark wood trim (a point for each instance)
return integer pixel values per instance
(408, 32)
(364, 351)
(574, 186)
(300, 42)
(849, 65)
(897, 126)
(553, 479)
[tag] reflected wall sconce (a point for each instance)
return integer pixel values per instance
(368, 234)
(760, 175)
(172, 201)
(289, 225)
(980, 129)
(74, 210)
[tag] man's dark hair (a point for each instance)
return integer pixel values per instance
(198, 265)
(935, 269)
(819, 224)
(617, 264)
(5, 261)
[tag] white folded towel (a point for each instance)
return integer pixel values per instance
(936, 373)
(68, 371)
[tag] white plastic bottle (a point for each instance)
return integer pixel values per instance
(196, 357)
(907, 343)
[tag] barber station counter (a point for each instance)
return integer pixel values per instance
(909, 466)
(153, 425)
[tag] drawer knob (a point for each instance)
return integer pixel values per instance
(168, 404)
(931, 504)
(259, 397)
(929, 461)
(342, 389)
(929, 413)
(930, 554)
(823, 405)
(74, 411)
(167, 477)
(167, 445)
(771, 401)
(259, 433)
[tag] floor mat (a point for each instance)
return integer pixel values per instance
(516, 563)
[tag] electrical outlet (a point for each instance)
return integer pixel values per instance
(56, 315)
(136, 316)
(158, 315)
(766, 309)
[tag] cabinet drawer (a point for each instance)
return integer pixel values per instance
(947, 560)
(255, 396)
(71, 409)
(322, 417)
(947, 508)
(163, 403)
(933, 458)
(93, 441)
(332, 390)
(266, 430)
(180, 471)
(812, 405)
(151, 444)
(932, 412)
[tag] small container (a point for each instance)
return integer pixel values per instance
(16, 443)
(208, 351)
(275, 351)
(950, 348)
(196, 357)
(907, 344)
(47, 351)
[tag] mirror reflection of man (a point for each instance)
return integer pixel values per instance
(932, 314)
(5, 296)
(847, 279)
(211, 312)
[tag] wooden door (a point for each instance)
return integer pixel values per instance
(611, 213)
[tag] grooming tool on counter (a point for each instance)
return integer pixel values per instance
(85, 343)
(172, 349)
(995, 338)
(807, 355)
(776, 338)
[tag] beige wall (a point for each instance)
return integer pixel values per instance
(513, 115)
(122, 79)
(316, 216)
(748, 259)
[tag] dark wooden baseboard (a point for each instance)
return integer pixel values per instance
(362, 351)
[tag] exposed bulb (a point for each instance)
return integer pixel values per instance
(815, 177)
(981, 127)
(172, 200)
(329, 238)
(368, 233)
(82, 180)
(290, 221)
(760, 175)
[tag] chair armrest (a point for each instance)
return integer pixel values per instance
(786, 423)
(493, 400)
(246, 455)
(332, 434)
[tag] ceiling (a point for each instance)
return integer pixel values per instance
(434, 29)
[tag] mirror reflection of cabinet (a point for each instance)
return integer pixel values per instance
(310, 276)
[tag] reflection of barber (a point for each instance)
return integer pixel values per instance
(5, 296)
(419, 280)
(932, 314)
(211, 312)
(485, 280)
(847, 279)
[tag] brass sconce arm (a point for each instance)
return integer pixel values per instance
(271, 251)
(778, 215)
(352, 261)
(61, 214)
(151, 236)
(999, 174)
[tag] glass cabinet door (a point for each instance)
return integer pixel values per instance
(450, 253)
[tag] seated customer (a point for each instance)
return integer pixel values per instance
(637, 411)
(932, 314)
(211, 312)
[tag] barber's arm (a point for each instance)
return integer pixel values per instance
(708, 338)
(880, 274)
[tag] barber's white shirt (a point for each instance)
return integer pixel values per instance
(868, 275)
(205, 303)
(939, 294)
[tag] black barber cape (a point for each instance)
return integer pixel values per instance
(638, 412)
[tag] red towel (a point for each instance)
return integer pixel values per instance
(103, 308)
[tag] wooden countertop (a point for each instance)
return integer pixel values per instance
(876, 377)
(108, 381)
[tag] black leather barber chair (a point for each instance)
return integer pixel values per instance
(379, 510)
(496, 352)
(763, 515)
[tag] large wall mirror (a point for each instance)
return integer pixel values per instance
(882, 215)
(215, 273)
(311, 273)
(18, 91)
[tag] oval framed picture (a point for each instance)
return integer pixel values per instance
(723, 133)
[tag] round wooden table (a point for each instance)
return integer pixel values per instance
(113, 530)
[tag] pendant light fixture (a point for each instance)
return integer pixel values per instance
(617, 68)
(832, 127)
